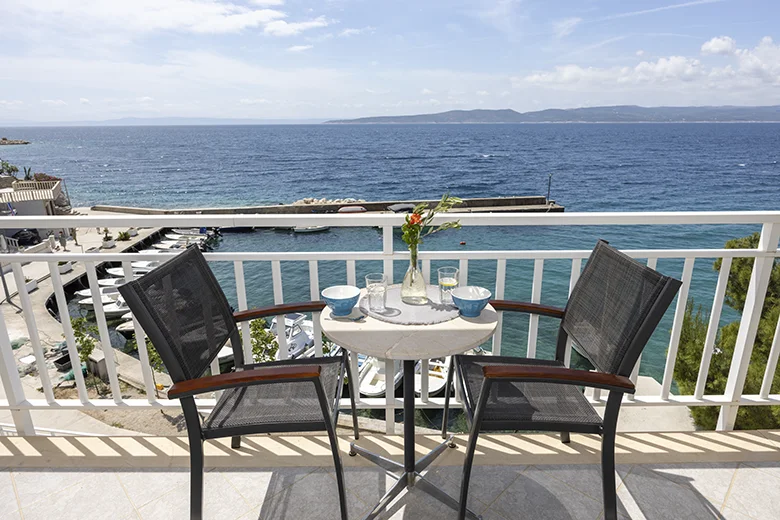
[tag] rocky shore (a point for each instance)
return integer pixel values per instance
(6, 141)
(312, 200)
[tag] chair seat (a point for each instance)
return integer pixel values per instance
(275, 407)
(522, 405)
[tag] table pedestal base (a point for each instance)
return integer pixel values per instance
(409, 479)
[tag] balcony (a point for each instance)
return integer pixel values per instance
(59, 463)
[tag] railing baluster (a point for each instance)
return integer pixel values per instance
(281, 329)
(32, 331)
(390, 396)
(351, 277)
(140, 337)
(387, 250)
(424, 379)
(674, 341)
(748, 326)
(12, 383)
(67, 329)
(771, 365)
(246, 338)
(536, 297)
(105, 339)
(314, 292)
(576, 269)
(712, 328)
(500, 283)
(426, 270)
(463, 268)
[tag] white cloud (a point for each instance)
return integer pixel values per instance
(142, 16)
(355, 32)
(724, 45)
(84, 101)
(640, 52)
(427, 92)
(283, 28)
(267, 3)
(566, 26)
(144, 99)
(259, 101)
(299, 48)
(659, 9)
(751, 69)
(11, 105)
(54, 102)
(483, 93)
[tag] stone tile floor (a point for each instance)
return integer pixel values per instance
(728, 490)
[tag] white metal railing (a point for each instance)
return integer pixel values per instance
(764, 256)
(35, 185)
(25, 191)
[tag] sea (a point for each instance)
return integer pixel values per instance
(588, 167)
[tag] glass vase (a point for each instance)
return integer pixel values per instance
(413, 289)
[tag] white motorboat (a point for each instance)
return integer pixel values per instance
(167, 245)
(437, 376)
(128, 316)
(189, 238)
(310, 229)
(137, 271)
(105, 299)
(202, 232)
(299, 332)
(140, 265)
(112, 282)
(87, 293)
(126, 329)
(371, 376)
(116, 309)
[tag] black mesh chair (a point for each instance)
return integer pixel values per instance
(185, 314)
(614, 308)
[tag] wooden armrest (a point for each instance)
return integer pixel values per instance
(531, 308)
(245, 377)
(278, 310)
(565, 375)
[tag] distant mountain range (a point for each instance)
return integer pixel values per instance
(615, 114)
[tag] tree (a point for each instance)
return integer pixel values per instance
(264, 344)
(28, 173)
(8, 169)
(694, 331)
(85, 335)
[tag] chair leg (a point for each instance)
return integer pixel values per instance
(334, 446)
(196, 479)
(235, 442)
(446, 415)
(608, 455)
(565, 438)
(467, 465)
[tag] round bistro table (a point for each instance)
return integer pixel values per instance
(409, 343)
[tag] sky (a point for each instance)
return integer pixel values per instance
(72, 60)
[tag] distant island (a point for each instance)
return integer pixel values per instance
(614, 114)
(7, 142)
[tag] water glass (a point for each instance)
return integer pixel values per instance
(448, 280)
(376, 287)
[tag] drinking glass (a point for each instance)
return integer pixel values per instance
(376, 287)
(448, 280)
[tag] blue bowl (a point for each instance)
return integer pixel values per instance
(341, 299)
(470, 300)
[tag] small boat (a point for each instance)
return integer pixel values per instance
(141, 265)
(190, 238)
(297, 329)
(351, 209)
(116, 309)
(236, 229)
(371, 376)
(401, 208)
(128, 316)
(310, 229)
(87, 293)
(120, 271)
(127, 329)
(166, 245)
(201, 232)
(112, 282)
(437, 376)
(105, 299)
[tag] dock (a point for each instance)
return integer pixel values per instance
(519, 204)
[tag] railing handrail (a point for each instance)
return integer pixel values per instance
(34, 185)
(388, 219)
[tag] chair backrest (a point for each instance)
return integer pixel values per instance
(183, 310)
(614, 308)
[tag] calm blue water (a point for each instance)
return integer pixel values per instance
(621, 167)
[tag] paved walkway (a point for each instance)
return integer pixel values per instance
(713, 475)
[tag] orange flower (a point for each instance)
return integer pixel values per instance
(415, 219)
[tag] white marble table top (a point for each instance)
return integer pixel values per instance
(411, 342)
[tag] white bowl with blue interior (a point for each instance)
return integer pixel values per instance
(470, 300)
(341, 299)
